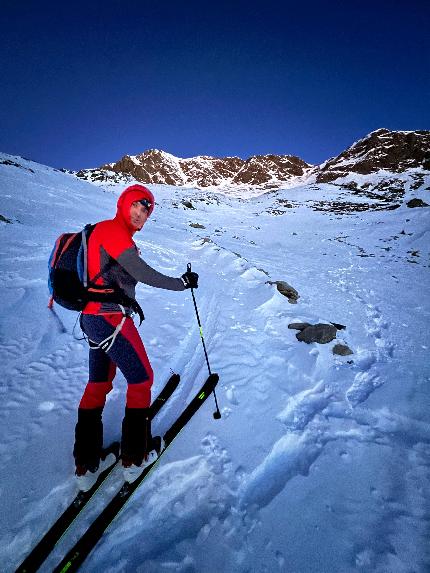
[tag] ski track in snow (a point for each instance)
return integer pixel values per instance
(208, 502)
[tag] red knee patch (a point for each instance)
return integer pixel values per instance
(139, 395)
(95, 395)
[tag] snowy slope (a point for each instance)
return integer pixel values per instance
(320, 462)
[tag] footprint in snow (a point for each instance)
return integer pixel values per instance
(363, 386)
(231, 395)
(292, 455)
(304, 406)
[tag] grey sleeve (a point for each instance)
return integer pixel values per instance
(142, 272)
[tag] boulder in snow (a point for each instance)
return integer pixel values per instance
(299, 325)
(321, 333)
(287, 290)
(416, 203)
(342, 350)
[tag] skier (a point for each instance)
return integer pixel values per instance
(114, 262)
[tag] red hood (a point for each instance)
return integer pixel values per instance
(127, 197)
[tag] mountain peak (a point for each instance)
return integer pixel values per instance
(382, 149)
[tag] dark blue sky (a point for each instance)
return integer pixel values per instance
(85, 83)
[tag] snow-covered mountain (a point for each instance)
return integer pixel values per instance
(321, 460)
(395, 151)
(155, 166)
(381, 150)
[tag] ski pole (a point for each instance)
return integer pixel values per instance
(217, 413)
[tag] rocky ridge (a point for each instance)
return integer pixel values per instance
(394, 151)
(380, 151)
(155, 166)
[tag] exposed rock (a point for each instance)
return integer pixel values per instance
(321, 333)
(393, 151)
(264, 168)
(197, 226)
(345, 207)
(287, 290)
(14, 164)
(104, 176)
(287, 204)
(204, 171)
(275, 211)
(263, 271)
(187, 204)
(342, 350)
(299, 325)
(153, 166)
(5, 219)
(419, 181)
(9, 162)
(416, 203)
(339, 326)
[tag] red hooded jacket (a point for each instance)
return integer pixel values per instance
(111, 247)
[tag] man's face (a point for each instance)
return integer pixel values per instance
(138, 215)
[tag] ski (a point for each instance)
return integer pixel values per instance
(41, 551)
(83, 547)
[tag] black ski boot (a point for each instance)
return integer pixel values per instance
(88, 446)
(138, 447)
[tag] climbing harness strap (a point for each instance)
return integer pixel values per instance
(108, 342)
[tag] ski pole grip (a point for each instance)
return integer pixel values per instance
(188, 267)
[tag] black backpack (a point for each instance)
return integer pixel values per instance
(68, 276)
(68, 280)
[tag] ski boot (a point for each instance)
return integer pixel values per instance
(138, 448)
(88, 446)
(133, 468)
(86, 476)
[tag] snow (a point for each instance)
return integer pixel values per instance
(319, 463)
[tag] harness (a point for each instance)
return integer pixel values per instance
(108, 342)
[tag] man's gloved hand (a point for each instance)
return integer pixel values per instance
(190, 279)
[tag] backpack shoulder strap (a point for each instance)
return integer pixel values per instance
(85, 247)
(86, 233)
